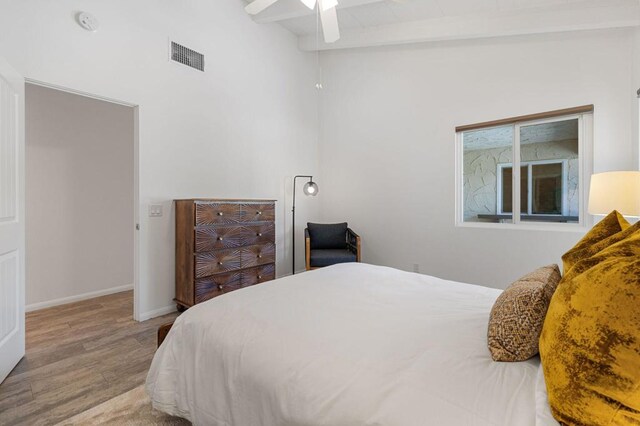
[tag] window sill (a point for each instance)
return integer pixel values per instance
(538, 218)
(545, 227)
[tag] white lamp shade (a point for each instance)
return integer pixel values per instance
(615, 191)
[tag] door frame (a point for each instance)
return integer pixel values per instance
(136, 179)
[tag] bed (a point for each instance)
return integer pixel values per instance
(350, 344)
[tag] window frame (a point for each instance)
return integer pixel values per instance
(585, 168)
(529, 165)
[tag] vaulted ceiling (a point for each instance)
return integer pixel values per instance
(381, 22)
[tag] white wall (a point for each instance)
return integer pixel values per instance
(240, 129)
(635, 99)
(387, 145)
(79, 206)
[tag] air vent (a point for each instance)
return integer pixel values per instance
(186, 56)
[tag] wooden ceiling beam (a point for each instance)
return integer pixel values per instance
(578, 16)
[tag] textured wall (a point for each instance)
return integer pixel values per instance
(480, 179)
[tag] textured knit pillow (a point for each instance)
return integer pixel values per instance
(518, 314)
(590, 343)
(598, 235)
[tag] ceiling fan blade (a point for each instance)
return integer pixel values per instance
(311, 4)
(330, 28)
(258, 6)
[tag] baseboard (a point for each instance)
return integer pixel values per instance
(77, 298)
(157, 312)
(172, 308)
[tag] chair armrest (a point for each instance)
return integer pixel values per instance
(354, 243)
(307, 249)
(352, 234)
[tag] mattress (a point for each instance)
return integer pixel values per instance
(350, 344)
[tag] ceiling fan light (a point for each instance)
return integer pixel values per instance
(328, 4)
(311, 4)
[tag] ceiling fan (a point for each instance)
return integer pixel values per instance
(326, 8)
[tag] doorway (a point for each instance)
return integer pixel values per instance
(81, 193)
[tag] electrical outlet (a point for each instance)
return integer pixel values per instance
(416, 267)
(155, 210)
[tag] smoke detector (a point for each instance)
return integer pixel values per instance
(88, 21)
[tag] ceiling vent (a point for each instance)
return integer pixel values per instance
(186, 56)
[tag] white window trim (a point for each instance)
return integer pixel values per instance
(529, 164)
(585, 168)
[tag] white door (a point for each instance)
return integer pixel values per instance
(12, 336)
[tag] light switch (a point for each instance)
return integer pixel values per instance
(155, 210)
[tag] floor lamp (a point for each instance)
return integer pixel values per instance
(310, 188)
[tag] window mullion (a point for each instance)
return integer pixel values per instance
(516, 175)
(530, 189)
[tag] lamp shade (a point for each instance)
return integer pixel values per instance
(310, 188)
(615, 191)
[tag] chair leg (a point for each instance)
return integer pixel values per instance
(307, 253)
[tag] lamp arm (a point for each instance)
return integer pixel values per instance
(293, 222)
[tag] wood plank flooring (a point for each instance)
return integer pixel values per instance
(78, 356)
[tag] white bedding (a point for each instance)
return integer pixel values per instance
(351, 344)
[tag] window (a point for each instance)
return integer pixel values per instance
(543, 188)
(548, 155)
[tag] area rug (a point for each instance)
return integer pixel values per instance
(131, 408)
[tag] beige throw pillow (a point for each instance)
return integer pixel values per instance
(518, 315)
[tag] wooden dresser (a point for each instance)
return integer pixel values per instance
(221, 246)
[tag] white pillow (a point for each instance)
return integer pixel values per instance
(543, 411)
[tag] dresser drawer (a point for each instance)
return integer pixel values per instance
(222, 245)
(210, 287)
(217, 213)
(215, 262)
(259, 274)
(258, 234)
(208, 238)
(258, 255)
(258, 212)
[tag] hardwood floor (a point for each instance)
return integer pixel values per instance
(78, 356)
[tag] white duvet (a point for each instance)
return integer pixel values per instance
(351, 344)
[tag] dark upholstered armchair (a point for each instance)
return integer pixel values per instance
(328, 244)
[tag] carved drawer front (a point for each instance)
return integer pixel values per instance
(259, 234)
(233, 286)
(217, 213)
(207, 288)
(258, 255)
(212, 238)
(258, 212)
(221, 246)
(259, 274)
(218, 261)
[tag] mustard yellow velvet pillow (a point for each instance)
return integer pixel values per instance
(598, 235)
(590, 342)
